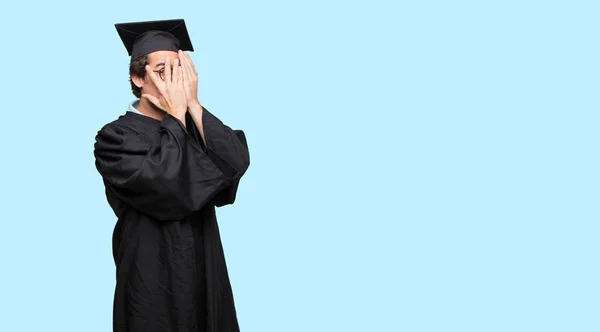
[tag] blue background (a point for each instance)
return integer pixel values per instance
(415, 167)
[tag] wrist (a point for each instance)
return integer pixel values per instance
(194, 104)
(181, 119)
(178, 113)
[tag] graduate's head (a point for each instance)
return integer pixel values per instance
(149, 43)
(140, 81)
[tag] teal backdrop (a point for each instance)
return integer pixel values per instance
(416, 166)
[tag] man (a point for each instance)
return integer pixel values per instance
(166, 164)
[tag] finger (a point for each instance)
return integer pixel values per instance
(191, 63)
(168, 77)
(152, 99)
(193, 75)
(182, 77)
(155, 79)
(151, 74)
(185, 66)
(182, 71)
(176, 72)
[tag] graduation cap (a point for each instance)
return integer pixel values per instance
(141, 38)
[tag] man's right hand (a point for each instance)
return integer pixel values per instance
(172, 94)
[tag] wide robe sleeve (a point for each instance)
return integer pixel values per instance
(168, 179)
(226, 148)
(227, 196)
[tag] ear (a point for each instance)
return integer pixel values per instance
(138, 81)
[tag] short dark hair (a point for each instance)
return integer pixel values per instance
(137, 68)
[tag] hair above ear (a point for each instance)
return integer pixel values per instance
(137, 69)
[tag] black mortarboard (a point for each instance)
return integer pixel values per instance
(141, 38)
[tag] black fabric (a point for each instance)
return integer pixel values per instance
(163, 184)
(141, 38)
(228, 195)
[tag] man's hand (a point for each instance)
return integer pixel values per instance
(190, 79)
(190, 82)
(172, 94)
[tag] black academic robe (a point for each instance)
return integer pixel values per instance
(163, 183)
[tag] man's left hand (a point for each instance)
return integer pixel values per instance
(190, 79)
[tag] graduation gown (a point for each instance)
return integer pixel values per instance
(163, 183)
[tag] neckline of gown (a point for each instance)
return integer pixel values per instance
(152, 121)
(141, 117)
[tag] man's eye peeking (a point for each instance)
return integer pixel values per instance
(161, 73)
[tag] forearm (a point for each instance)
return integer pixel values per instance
(220, 140)
(196, 112)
